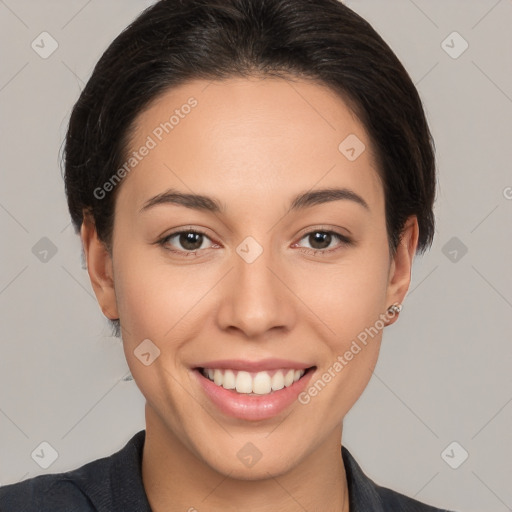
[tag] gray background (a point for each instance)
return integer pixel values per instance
(444, 372)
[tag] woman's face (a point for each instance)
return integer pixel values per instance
(280, 278)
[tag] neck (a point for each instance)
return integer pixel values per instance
(176, 479)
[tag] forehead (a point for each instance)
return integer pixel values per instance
(247, 137)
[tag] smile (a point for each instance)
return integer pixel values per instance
(259, 383)
(252, 390)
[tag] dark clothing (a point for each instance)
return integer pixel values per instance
(114, 484)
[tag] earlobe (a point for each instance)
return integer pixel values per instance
(401, 265)
(99, 267)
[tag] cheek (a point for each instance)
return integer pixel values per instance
(349, 299)
(143, 290)
(157, 299)
(350, 350)
(151, 301)
(348, 296)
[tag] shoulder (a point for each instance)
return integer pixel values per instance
(94, 487)
(60, 492)
(396, 502)
(365, 494)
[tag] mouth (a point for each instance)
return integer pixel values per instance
(252, 392)
(254, 383)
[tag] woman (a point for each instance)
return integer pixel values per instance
(251, 181)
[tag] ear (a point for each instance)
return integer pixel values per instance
(401, 264)
(99, 267)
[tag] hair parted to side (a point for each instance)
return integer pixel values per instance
(175, 41)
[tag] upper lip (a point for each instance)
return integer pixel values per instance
(254, 366)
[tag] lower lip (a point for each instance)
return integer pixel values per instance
(252, 407)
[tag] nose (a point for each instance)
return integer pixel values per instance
(256, 298)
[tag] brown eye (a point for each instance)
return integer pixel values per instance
(190, 241)
(321, 241)
(186, 241)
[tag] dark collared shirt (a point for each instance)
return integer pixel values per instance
(114, 484)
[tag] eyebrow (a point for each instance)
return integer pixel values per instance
(326, 195)
(206, 203)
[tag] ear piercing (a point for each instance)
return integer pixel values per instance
(395, 308)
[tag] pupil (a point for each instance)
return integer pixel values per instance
(324, 239)
(189, 240)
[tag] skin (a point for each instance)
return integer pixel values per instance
(253, 144)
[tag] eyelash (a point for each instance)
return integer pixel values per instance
(343, 240)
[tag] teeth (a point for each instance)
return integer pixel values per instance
(229, 381)
(260, 383)
(288, 378)
(243, 382)
(278, 381)
(217, 377)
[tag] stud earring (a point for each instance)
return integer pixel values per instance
(395, 308)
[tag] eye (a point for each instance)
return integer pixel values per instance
(186, 242)
(321, 241)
